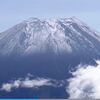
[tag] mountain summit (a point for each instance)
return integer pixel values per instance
(62, 35)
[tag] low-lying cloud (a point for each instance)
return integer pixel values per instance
(28, 83)
(85, 82)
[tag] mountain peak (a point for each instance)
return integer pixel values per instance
(32, 19)
(58, 35)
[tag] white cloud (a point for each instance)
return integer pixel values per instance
(35, 83)
(85, 83)
(8, 86)
(27, 83)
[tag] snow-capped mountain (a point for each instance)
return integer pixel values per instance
(62, 35)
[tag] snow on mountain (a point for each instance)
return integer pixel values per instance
(62, 35)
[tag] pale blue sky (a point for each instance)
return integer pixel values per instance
(15, 11)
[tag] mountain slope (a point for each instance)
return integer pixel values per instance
(63, 35)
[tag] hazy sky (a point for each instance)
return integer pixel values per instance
(15, 11)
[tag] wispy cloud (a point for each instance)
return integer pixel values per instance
(28, 83)
(85, 83)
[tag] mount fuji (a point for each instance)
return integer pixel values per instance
(38, 56)
(62, 35)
